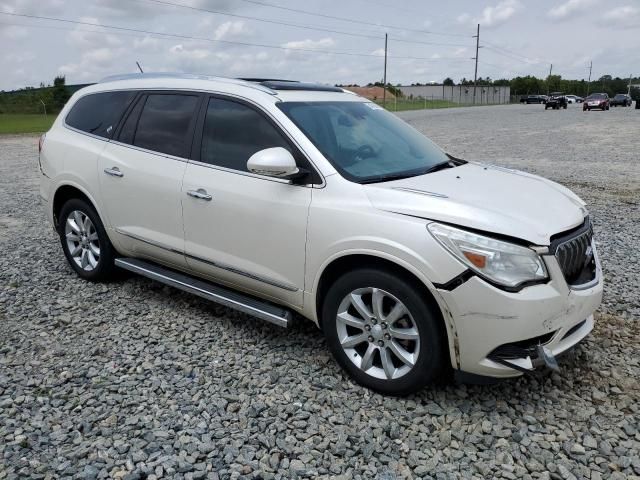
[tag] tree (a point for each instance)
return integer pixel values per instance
(448, 82)
(59, 92)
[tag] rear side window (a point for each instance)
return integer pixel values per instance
(165, 124)
(99, 113)
(233, 132)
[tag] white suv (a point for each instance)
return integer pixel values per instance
(277, 197)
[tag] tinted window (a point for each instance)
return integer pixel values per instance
(128, 131)
(99, 113)
(165, 124)
(233, 132)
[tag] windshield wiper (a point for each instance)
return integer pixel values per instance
(400, 176)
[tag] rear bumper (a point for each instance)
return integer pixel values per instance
(489, 321)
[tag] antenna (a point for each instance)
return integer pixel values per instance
(139, 67)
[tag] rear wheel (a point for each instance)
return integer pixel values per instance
(383, 332)
(85, 242)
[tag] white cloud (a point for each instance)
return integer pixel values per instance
(230, 29)
(310, 44)
(570, 9)
(626, 16)
(189, 53)
(493, 15)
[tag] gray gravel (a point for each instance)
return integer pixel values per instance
(134, 380)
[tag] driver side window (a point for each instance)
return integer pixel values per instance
(233, 132)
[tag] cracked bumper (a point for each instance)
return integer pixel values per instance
(485, 318)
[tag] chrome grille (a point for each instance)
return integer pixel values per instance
(575, 257)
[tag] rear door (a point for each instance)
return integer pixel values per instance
(141, 174)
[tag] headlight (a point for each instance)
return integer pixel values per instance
(501, 262)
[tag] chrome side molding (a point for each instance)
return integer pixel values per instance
(229, 298)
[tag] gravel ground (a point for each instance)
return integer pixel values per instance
(135, 380)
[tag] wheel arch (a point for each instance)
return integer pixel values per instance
(65, 192)
(350, 261)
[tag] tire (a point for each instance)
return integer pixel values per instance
(374, 338)
(606, 108)
(81, 229)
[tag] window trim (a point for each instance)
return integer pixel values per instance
(298, 152)
(117, 124)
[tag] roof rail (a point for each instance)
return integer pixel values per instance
(187, 76)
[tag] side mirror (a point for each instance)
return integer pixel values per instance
(273, 162)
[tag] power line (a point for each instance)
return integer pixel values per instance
(351, 20)
(211, 40)
(295, 25)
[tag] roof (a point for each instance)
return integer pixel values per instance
(254, 88)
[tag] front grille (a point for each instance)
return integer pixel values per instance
(575, 256)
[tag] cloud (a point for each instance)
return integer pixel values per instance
(230, 30)
(310, 44)
(569, 9)
(492, 16)
(626, 17)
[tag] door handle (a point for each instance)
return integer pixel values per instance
(201, 194)
(114, 172)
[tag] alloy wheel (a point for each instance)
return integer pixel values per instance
(377, 333)
(82, 240)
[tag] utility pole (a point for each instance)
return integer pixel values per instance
(629, 87)
(589, 81)
(384, 78)
(475, 73)
(549, 78)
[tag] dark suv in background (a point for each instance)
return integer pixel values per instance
(556, 101)
(621, 100)
(533, 99)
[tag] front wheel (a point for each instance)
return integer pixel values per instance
(383, 332)
(85, 242)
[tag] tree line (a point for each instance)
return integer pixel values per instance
(49, 98)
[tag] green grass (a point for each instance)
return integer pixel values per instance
(402, 105)
(25, 123)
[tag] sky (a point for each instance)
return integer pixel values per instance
(327, 41)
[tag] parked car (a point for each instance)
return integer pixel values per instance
(276, 197)
(621, 100)
(596, 100)
(533, 99)
(574, 99)
(556, 101)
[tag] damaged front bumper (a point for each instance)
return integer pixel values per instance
(505, 334)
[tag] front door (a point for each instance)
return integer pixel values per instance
(242, 229)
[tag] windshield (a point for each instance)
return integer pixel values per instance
(620, 96)
(364, 142)
(596, 96)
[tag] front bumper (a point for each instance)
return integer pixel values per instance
(487, 319)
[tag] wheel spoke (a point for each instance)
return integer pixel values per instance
(352, 341)
(376, 302)
(404, 333)
(350, 320)
(86, 224)
(398, 350)
(387, 363)
(396, 313)
(84, 260)
(93, 237)
(367, 358)
(77, 217)
(92, 259)
(356, 301)
(76, 250)
(71, 236)
(94, 249)
(73, 225)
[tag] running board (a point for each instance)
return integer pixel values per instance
(224, 296)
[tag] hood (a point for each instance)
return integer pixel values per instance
(484, 197)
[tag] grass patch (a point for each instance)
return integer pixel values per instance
(25, 123)
(403, 105)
